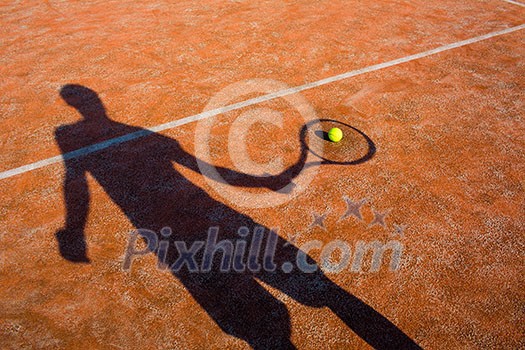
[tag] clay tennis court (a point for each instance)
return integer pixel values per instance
(113, 113)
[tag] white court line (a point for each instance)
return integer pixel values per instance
(515, 3)
(176, 123)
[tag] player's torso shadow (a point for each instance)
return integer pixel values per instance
(140, 178)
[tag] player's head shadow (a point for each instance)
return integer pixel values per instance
(85, 100)
(139, 177)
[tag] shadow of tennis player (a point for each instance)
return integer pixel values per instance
(139, 177)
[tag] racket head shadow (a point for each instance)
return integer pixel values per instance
(355, 147)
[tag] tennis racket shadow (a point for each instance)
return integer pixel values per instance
(355, 148)
(336, 151)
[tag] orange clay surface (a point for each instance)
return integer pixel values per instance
(447, 169)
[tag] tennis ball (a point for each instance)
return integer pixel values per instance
(335, 134)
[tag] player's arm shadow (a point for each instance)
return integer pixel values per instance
(277, 183)
(366, 322)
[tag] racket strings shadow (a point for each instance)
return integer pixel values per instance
(328, 152)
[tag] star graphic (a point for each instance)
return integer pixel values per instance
(379, 218)
(292, 239)
(318, 221)
(353, 208)
(400, 230)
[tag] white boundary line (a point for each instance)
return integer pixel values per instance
(207, 114)
(515, 3)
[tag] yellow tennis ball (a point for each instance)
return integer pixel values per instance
(335, 134)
